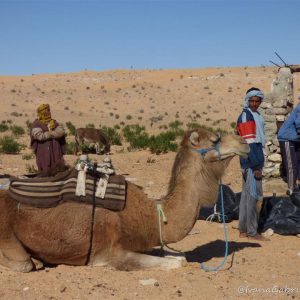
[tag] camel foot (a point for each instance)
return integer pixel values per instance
(174, 262)
(37, 264)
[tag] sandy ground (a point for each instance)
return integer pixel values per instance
(252, 270)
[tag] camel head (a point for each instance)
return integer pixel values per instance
(215, 147)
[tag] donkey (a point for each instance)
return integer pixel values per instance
(94, 138)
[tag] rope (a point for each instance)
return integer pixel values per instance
(253, 189)
(219, 216)
(225, 236)
(161, 216)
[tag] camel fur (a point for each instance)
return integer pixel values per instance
(61, 235)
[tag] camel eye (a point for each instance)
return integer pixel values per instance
(216, 139)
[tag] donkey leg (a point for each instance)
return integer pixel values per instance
(97, 148)
(14, 256)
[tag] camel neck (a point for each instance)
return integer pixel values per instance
(193, 187)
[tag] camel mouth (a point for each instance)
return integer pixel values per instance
(243, 155)
(231, 154)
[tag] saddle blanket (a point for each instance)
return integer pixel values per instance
(50, 191)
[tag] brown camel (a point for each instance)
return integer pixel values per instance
(61, 235)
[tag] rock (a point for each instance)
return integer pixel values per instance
(268, 232)
(280, 118)
(275, 157)
(150, 281)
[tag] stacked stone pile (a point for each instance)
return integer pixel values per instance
(274, 110)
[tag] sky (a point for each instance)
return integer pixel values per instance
(59, 36)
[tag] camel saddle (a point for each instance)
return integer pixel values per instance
(50, 191)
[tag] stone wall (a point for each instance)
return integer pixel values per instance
(274, 110)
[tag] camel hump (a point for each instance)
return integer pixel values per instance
(50, 191)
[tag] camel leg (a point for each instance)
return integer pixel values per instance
(14, 256)
(133, 261)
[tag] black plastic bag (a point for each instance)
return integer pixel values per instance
(231, 207)
(295, 197)
(281, 215)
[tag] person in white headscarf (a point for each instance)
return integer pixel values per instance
(250, 125)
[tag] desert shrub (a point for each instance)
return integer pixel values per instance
(233, 125)
(194, 125)
(113, 135)
(216, 122)
(28, 125)
(9, 145)
(31, 169)
(70, 147)
(90, 125)
(17, 130)
(156, 119)
(27, 156)
(151, 160)
(3, 127)
(136, 136)
(71, 127)
(163, 142)
(176, 127)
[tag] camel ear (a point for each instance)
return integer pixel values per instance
(194, 138)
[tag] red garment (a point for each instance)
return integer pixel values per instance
(247, 130)
(49, 153)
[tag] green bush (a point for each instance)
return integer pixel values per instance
(17, 130)
(194, 125)
(70, 148)
(176, 127)
(27, 156)
(3, 127)
(163, 142)
(9, 145)
(136, 136)
(29, 125)
(113, 135)
(71, 128)
(90, 125)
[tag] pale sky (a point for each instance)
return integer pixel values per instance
(57, 36)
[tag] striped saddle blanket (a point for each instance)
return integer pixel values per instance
(50, 191)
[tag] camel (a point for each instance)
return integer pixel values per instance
(61, 235)
(94, 138)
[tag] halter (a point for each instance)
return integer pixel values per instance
(204, 151)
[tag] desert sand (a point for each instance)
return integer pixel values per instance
(153, 98)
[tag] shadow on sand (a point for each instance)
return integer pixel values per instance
(216, 249)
